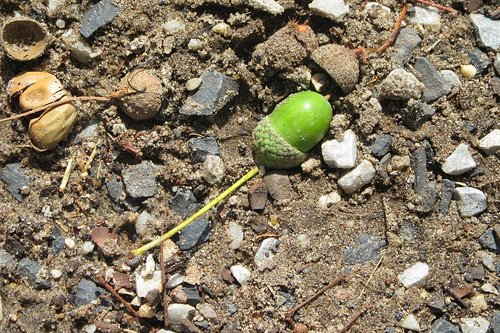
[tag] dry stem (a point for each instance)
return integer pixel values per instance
(353, 319)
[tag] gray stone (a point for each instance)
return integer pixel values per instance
(471, 201)
(381, 145)
(279, 186)
(14, 178)
(257, 195)
(86, 292)
(357, 178)
(231, 308)
(193, 294)
(495, 322)
(416, 114)
(490, 143)
(489, 241)
(367, 249)
(179, 312)
(495, 85)
(331, 9)
(447, 187)
(425, 189)
(408, 232)
(28, 268)
(443, 326)
(140, 180)
(184, 203)
(98, 15)
(115, 188)
(90, 131)
(400, 85)
(407, 41)
(194, 234)
(451, 77)
(6, 259)
(264, 258)
(435, 85)
(436, 302)
(474, 325)
(487, 30)
(479, 60)
(58, 242)
(214, 93)
(201, 147)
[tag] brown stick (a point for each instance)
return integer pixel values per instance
(118, 297)
(292, 311)
(438, 6)
(394, 32)
(353, 319)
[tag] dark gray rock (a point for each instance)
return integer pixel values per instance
(489, 241)
(98, 15)
(28, 268)
(215, 91)
(115, 188)
(194, 234)
(425, 189)
(417, 114)
(447, 187)
(368, 249)
(475, 273)
(14, 179)
(86, 292)
(58, 242)
(140, 180)
(384, 163)
(193, 295)
(436, 302)
(479, 60)
(201, 147)
(184, 203)
(435, 85)
(443, 326)
(407, 41)
(495, 322)
(381, 145)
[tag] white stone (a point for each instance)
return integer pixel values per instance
(376, 7)
(459, 162)
(478, 303)
(145, 284)
(488, 30)
(425, 16)
(241, 274)
(165, 331)
(490, 143)
(222, 28)
(195, 44)
(489, 288)
(235, 233)
(357, 178)
(193, 84)
(173, 26)
(70, 243)
(474, 325)
(414, 275)
(143, 222)
(303, 241)
(310, 165)
(471, 201)
(331, 9)
(178, 312)
(451, 77)
(146, 311)
(175, 280)
(265, 254)
(410, 322)
(269, 6)
(87, 247)
(213, 169)
(54, 4)
(81, 52)
(56, 273)
(328, 200)
(341, 153)
(149, 268)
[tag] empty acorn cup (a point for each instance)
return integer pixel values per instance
(23, 39)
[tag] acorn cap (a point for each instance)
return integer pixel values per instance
(145, 99)
(23, 38)
(340, 63)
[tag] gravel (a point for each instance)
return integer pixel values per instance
(331, 9)
(87, 292)
(381, 145)
(425, 16)
(490, 143)
(196, 233)
(367, 249)
(414, 275)
(471, 201)
(341, 153)
(459, 162)
(264, 258)
(487, 30)
(400, 85)
(356, 179)
(241, 274)
(202, 147)
(407, 41)
(140, 180)
(443, 326)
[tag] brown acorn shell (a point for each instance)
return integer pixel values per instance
(23, 39)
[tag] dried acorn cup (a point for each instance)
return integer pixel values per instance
(144, 100)
(283, 138)
(23, 39)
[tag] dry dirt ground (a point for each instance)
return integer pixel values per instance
(387, 208)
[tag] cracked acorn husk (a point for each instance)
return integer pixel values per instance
(23, 38)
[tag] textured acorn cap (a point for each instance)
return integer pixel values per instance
(23, 38)
(340, 63)
(145, 101)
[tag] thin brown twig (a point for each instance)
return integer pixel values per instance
(394, 32)
(292, 311)
(266, 236)
(117, 296)
(353, 319)
(438, 6)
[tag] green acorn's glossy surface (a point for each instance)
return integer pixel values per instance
(297, 124)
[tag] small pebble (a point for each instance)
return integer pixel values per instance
(70, 243)
(143, 223)
(487, 260)
(140, 180)
(222, 29)
(496, 63)
(451, 78)
(310, 165)
(468, 71)
(235, 233)
(241, 274)
(195, 44)
(471, 201)
(194, 234)
(303, 241)
(97, 16)
(414, 275)
(331, 9)
(269, 6)
(487, 30)
(400, 163)
(381, 145)
(179, 312)
(490, 143)
(425, 16)
(489, 288)
(193, 84)
(213, 169)
(434, 85)
(401, 85)
(328, 200)
(357, 178)
(341, 153)
(320, 82)
(443, 326)
(459, 162)
(145, 284)
(208, 312)
(474, 325)
(175, 280)
(264, 258)
(202, 147)
(146, 311)
(172, 27)
(60, 23)
(56, 273)
(87, 247)
(478, 303)
(410, 323)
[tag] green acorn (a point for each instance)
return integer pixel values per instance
(283, 139)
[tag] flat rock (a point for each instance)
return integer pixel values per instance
(489, 241)
(407, 41)
(179, 312)
(400, 85)
(269, 6)
(196, 233)
(416, 114)
(425, 16)
(443, 326)
(471, 201)
(214, 93)
(140, 180)
(490, 143)
(15, 179)
(257, 195)
(360, 176)
(414, 275)
(331, 9)
(381, 145)
(451, 77)
(423, 187)
(97, 16)
(459, 162)
(474, 325)
(487, 30)
(279, 186)
(86, 292)
(367, 249)
(435, 85)
(184, 203)
(341, 153)
(28, 268)
(447, 188)
(264, 258)
(202, 147)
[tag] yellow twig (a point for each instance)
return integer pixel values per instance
(369, 278)
(90, 159)
(67, 172)
(196, 215)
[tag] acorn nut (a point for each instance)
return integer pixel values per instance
(283, 138)
(23, 38)
(145, 98)
(340, 63)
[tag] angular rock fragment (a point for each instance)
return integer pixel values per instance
(435, 85)
(98, 15)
